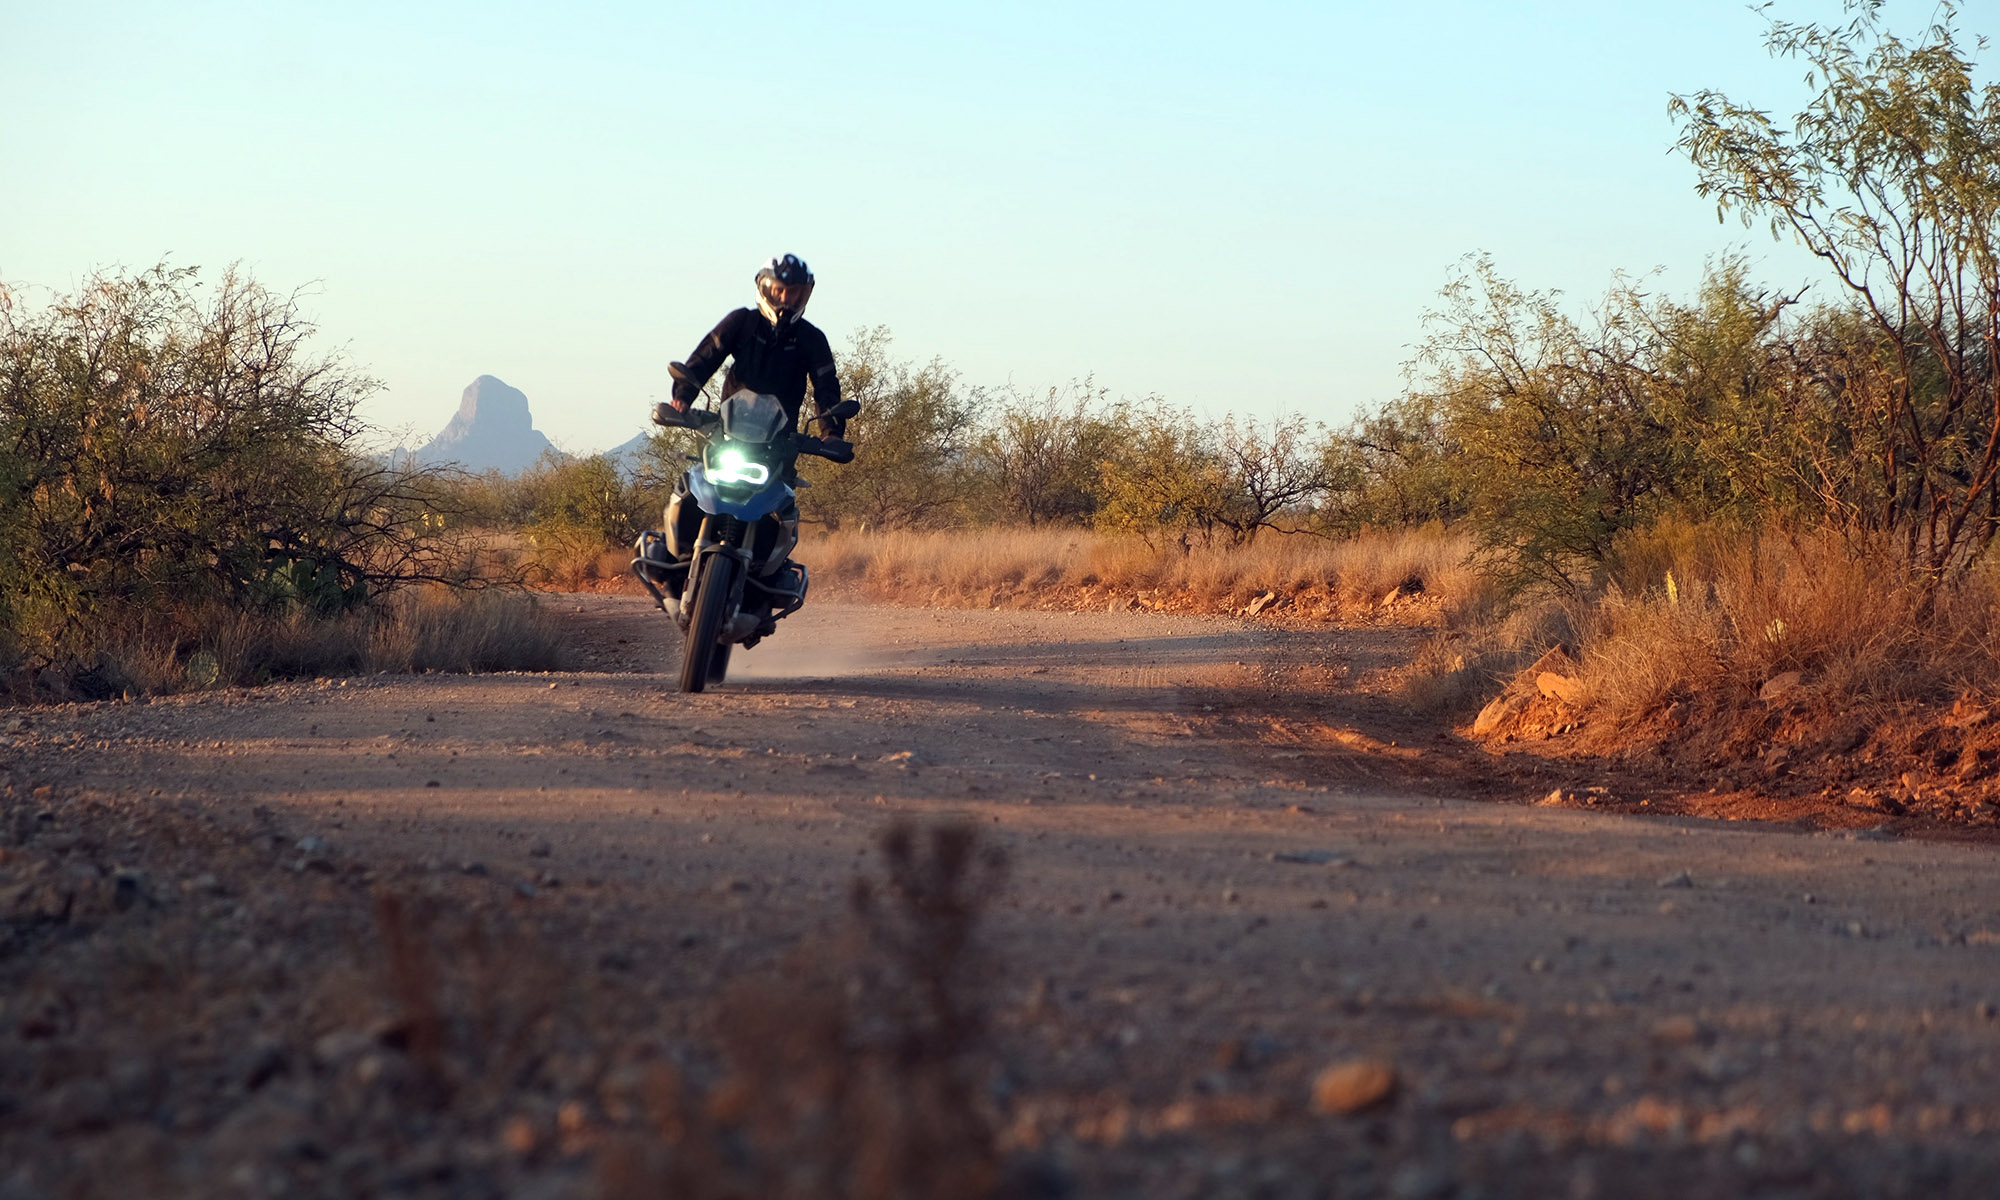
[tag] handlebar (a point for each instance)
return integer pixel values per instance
(832, 449)
(689, 418)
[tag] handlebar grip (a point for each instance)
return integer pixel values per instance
(678, 418)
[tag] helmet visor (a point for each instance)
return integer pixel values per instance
(781, 295)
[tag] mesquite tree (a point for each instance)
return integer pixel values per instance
(1891, 176)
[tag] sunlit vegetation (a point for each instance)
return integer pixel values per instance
(185, 499)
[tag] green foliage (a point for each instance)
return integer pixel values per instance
(1393, 468)
(1557, 435)
(911, 437)
(1891, 176)
(1167, 481)
(1042, 457)
(587, 495)
(164, 447)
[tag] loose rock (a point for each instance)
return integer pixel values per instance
(1779, 687)
(1560, 687)
(1352, 1087)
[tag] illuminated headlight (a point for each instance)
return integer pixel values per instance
(732, 466)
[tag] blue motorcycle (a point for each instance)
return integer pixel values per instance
(722, 567)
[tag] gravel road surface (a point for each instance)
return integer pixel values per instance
(1202, 911)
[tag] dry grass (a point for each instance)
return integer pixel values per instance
(856, 1073)
(1710, 615)
(1729, 615)
(956, 566)
(431, 629)
(1460, 668)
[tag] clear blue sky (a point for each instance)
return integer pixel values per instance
(1241, 207)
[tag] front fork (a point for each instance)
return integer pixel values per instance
(719, 535)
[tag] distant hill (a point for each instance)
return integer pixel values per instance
(492, 431)
(628, 455)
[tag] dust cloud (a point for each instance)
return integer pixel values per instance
(805, 660)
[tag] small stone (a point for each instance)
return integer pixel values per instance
(1267, 600)
(472, 868)
(1118, 604)
(1874, 801)
(341, 1046)
(1680, 880)
(541, 850)
(1352, 1087)
(429, 783)
(311, 845)
(1560, 687)
(518, 1134)
(1555, 799)
(1498, 712)
(1229, 895)
(1779, 687)
(1987, 1010)
(1311, 858)
(1678, 1030)
(552, 687)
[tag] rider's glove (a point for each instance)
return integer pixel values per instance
(684, 394)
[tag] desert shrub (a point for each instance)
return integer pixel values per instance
(1731, 613)
(911, 436)
(859, 1070)
(1888, 175)
(169, 452)
(1394, 467)
(1167, 483)
(1273, 473)
(1040, 459)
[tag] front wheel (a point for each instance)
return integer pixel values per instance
(711, 607)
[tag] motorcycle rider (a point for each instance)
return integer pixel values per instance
(770, 348)
(773, 352)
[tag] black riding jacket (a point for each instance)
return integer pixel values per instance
(778, 362)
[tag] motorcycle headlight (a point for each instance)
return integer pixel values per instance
(733, 466)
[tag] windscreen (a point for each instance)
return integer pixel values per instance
(750, 417)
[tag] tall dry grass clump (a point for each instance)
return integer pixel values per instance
(203, 646)
(1730, 614)
(966, 564)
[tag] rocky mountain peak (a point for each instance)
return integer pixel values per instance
(492, 431)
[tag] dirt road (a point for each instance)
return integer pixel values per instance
(1205, 907)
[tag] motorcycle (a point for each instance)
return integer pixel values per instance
(722, 567)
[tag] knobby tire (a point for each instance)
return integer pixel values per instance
(711, 605)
